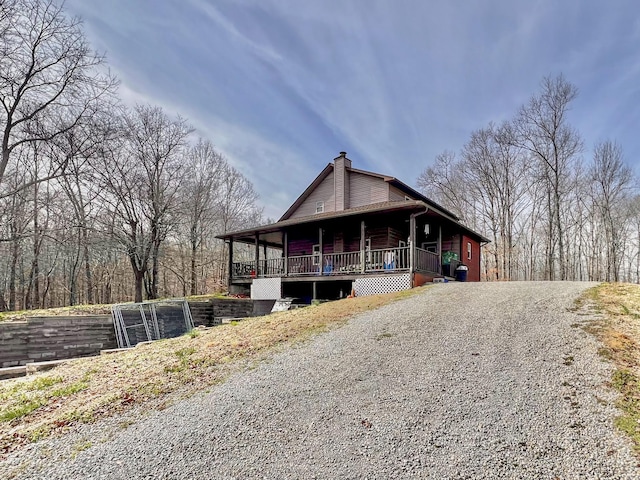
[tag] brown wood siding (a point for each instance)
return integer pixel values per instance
(452, 244)
(301, 247)
(305, 247)
(302, 243)
(338, 242)
(396, 195)
(473, 275)
(327, 242)
(323, 193)
(365, 190)
(351, 243)
(395, 236)
(379, 237)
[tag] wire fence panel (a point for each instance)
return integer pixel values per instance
(147, 321)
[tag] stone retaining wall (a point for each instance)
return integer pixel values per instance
(54, 338)
(211, 312)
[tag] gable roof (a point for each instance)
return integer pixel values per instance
(387, 178)
(318, 180)
(271, 233)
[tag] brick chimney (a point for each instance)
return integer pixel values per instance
(341, 181)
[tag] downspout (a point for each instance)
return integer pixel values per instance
(412, 241)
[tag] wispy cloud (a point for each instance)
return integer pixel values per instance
(220, 20)
(281, 87)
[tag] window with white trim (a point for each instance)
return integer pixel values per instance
(468, 250)
(319, 207)
(316, 254)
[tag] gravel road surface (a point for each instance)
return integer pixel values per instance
(463, 381)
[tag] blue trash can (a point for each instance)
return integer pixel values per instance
(461, 273)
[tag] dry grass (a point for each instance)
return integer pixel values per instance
(620, 332)
(104, 309)
(92, 388)
(54, 312)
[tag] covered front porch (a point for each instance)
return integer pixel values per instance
(384, 260)
(404, 239)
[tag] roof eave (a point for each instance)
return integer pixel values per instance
(274, 227)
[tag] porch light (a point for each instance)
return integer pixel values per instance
(427, 229)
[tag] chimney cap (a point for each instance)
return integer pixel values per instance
(343, 154)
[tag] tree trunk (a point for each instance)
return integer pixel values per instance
(87, 265)
(559, 228)
(139, 279)
(138, 275)
(194, 250)
(153, 291)
(15, 251)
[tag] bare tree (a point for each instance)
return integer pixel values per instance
(76, 148)
(140, 180)
(70, 180)
(524, 185)
(237, 206)
(237, 201)
(15, 230)
(543, 129)
(50, 80)
(443, 181)
(611, 182)
(157, 143)
(199, 207)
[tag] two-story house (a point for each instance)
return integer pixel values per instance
(353, 230)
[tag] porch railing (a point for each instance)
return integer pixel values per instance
(342, 263)
(381, 260)
(244, 269)
(272, 267)
(427, 261)
(387, 259)
(303, 265)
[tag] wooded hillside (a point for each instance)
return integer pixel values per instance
(98, 202)
(553, 207)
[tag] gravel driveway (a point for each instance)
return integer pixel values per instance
(463, 381)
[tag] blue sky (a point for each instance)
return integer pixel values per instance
(280, 87)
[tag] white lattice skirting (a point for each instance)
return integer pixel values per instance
(266, 289)
(382, 284)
